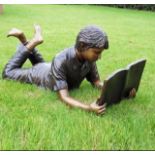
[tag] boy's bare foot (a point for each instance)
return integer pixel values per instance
(37, 39)
(37, 36)
(15, 32)
(18, 34)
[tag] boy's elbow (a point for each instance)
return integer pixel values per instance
(62, 97)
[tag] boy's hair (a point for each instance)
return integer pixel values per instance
(91, 37)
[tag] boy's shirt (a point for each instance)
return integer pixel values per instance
(67, 72)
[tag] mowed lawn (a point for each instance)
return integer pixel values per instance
(34, 119)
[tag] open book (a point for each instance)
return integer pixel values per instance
(119, 84)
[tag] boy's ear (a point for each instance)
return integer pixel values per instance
(82, 45)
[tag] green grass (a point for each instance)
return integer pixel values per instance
(35, 119)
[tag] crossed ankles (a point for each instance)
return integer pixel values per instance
(36, 40)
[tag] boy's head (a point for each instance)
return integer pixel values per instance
(90, 42)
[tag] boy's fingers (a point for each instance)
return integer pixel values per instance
(103, 106)
(102, 113)
(101, 110)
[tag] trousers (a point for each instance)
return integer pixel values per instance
(39, 74)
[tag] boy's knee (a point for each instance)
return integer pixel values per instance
(5, 73)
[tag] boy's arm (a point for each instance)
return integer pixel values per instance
(64, 96)
(93, 77)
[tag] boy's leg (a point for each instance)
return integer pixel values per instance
(18, 34)
(13, 68)
(36, 40)
(34, 56)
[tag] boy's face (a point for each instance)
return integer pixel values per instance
(92, 54)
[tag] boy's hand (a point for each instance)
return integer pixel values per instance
(132, 93)
(98, 84)
(97, 108)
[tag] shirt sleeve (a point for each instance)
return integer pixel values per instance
(58, 75)
(93, 74)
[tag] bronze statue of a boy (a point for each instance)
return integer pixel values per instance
(67, 69)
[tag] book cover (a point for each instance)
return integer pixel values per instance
(119, 84)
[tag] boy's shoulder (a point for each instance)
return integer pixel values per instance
(66, 54)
